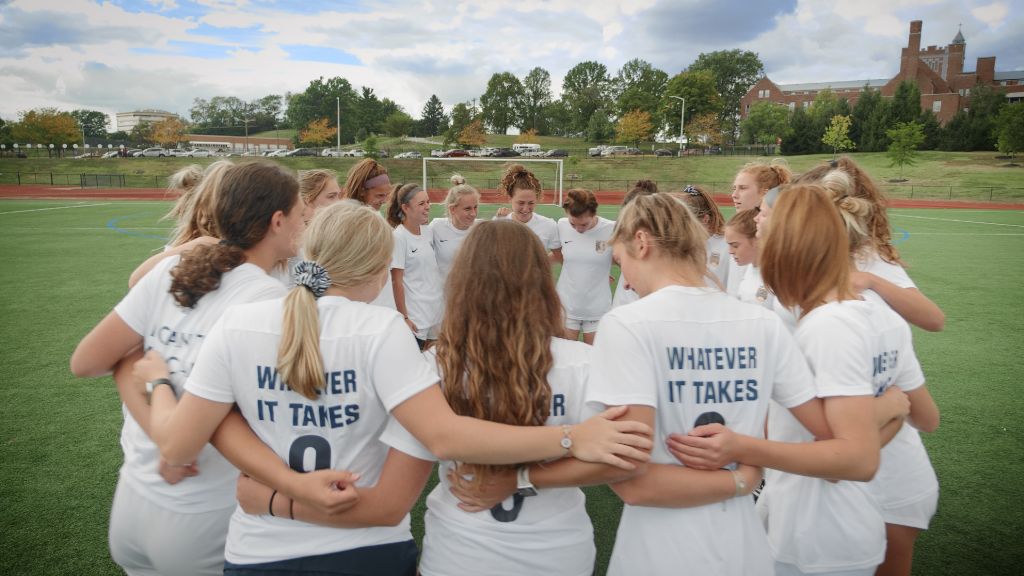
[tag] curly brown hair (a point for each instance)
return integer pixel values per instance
(517, 177)
(355, 179)
(495, 366)
(249, 196)
(640, 188)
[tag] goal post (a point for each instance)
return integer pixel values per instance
(556, 163)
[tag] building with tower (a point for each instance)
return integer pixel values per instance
(938, 72)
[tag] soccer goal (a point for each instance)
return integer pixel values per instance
(483, 174)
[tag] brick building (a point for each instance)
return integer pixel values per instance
(938, 72)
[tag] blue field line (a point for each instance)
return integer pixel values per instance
(113, 225)
(903, 238)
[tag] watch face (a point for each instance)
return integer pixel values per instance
(527, 491)
(566, 443)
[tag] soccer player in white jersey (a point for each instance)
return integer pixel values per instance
(511, 521)
(683, 355)
(623, 293)
(705, 209)
(584, 283)
(461, 205)
(315, 377)
(367, 182)
(906, 481)
(415, 277)
(180, 527)
(879, 267)
(741, 235)
(749, 187)
(832, 526)
(524, 191)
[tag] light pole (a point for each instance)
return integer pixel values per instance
(337, 127)
(682, 118)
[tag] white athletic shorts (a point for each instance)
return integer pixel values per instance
(149, 540)
(585, 326)
(915, 514)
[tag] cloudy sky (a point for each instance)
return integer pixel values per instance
(121, 55)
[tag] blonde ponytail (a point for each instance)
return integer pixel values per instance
(298, 358)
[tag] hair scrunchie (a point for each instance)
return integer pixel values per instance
(313, 276)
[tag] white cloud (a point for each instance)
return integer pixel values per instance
(993, 14)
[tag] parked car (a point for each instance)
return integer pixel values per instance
(199, 153)
(489, 151)
(531, 153)
(278, 153)
(633, 151)
(596, 150)
(354, 153)
(152, 153)
(408, 155)
(332, 153)
(614, 151)
(456, 153)
(663, 152)
(112, 154)
(302, 152)
(177, 153)
(715, 150)
(437, 153)
(557, 153)
(505, 153)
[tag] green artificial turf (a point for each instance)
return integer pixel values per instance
(65, 266)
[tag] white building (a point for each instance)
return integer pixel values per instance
(128, 120)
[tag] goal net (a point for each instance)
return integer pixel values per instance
(484, 174)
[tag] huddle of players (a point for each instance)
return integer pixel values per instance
(339, 419)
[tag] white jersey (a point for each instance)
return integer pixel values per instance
(814, 524)
(583, 285)
(424, 286)
(873, 263)
(697, 356)
(623, 295)
(735, 276)
(545, 229)
(446, 241)
(371, 365)
(719, 259)
(549, 533)
(177, 334)
(753, 290)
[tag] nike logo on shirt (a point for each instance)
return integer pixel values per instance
(566, 241)
(414, 250)
(445, 240)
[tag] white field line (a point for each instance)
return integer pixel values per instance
(967, 234)
(960, 221)
(55, 208)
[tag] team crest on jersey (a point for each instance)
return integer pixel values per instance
(715, 259)
(762, 294)
(600, 246)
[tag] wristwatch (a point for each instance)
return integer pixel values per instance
(152, 384)
(523, 485)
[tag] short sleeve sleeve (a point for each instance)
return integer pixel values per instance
(398, 253)
(793, 382)
(553, 241)
(396, 436)
(210, 377)
(399, 370)
(839, 356)
(622, 371)
(140, 302)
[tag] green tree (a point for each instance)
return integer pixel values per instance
(556, 119)
(985, 106)
(370, 146)
(735, 71)
(1011, 129)
(433, 120)
(906, 103)
(585, 89)
(931, 128)
(141, 134)
(634, 127)
(462, 115)
(873, 135)
(502, 102)
(905, 137)
(867, 100)
(765, 123)
(801, 137)
(639, 86)
(93, 122)
(700, 92)
(320, 100)
(536, 96)
(704, 130)
(599, 127)
(398, 124)
(837, 135)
